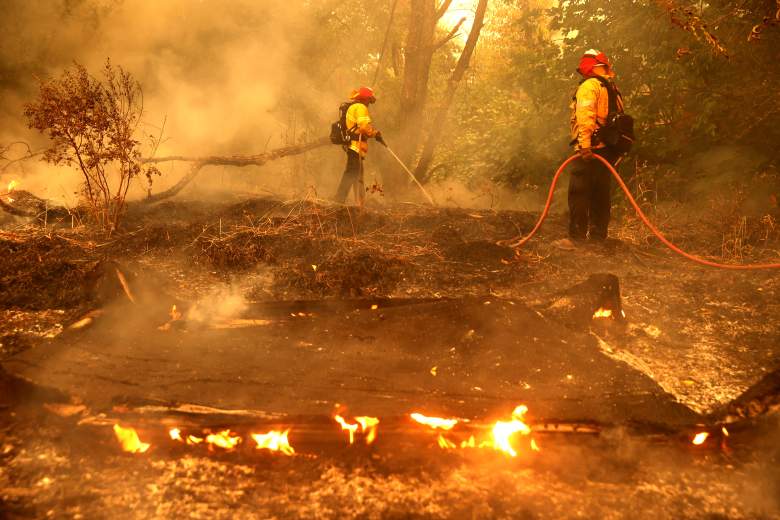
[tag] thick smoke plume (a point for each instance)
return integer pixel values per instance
(224, 77)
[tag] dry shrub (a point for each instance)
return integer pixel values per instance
(236, 251)
(92, 126)
(743, 233)
(748, 234)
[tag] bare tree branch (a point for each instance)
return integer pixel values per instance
(232, 160)
(443, 8)
(453, 32)
(28, 155)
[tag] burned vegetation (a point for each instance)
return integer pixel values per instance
(220, 346)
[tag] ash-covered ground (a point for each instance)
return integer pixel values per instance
(462, 327)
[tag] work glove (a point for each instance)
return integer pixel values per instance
(380, 139)
(586, 154)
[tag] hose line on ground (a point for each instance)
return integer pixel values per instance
(641, 215)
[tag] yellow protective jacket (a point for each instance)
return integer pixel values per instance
(359, 123)
(589, 110)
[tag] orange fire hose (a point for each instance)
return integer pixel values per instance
(642, 216)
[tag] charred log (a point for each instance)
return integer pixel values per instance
(598, 297)
(759, 400)
(21, 203)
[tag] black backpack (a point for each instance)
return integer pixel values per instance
(339, 133)
(618, 131)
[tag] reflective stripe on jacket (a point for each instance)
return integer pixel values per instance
(359, 122)
(589, 110)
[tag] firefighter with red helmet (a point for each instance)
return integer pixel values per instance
(590, 181)
(360, 129)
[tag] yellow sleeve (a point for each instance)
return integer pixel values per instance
(363, 120)
(586, 110)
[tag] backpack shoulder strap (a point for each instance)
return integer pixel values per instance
(613, 94)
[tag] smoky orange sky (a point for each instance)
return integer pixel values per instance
(226, 76)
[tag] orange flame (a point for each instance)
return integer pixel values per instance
(191, 439)
(699, 438)
(434, 422)
(175, 434)
(129, 440)
(602, 313)
(471, 443)
(446, 444)
(535, 446)
(12, 185)
(368, 425)
(223, 440)
(274, 441)
(503, 431)
(351, 428)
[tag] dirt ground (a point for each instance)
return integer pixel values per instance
(694, 340)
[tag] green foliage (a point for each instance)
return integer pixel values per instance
(511, 122)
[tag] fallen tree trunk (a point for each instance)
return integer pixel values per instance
(231, 160)
(32, 206)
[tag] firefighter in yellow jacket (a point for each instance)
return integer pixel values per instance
(360, 128)
(590, 181)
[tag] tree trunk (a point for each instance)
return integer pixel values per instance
(418, 53)
(460, 69)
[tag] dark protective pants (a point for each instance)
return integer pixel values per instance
(352, 176)
(590, 186)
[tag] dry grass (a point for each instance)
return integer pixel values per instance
(748, 235)
(323, 250)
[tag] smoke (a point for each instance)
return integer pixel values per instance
(225, 303)
(224, 77)
(483, 193)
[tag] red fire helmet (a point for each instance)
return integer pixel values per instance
(590, 59)
(362, 93)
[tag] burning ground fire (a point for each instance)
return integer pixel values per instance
(129, 440)
(367, 425)
(502, 435)
(500, 438)
(606, 313)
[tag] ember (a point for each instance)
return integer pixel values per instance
(699, 438)
(129, 440)
(273, 441)
(175, 434)
(602, 313)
